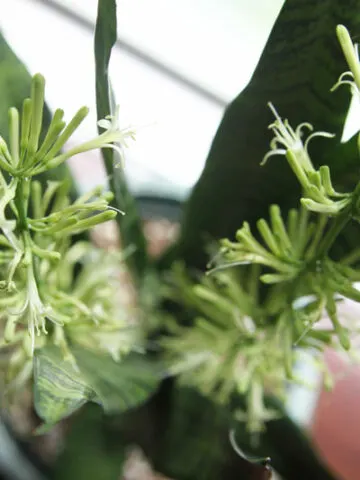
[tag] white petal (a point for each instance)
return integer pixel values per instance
(278, 151)
(301, 126)
(22, 309)
(352, 122)
(106, 124)
(318, 134)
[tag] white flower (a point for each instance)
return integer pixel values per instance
(116, 342)
(350, 78)
(113, 137)
(110, 122)
(113, 133)
(286, 136)
(33, 311)
(347, 78)
(7, 194)
(351, 126)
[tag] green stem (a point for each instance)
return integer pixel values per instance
(33, 264)
(333, 233)
(21, 202)
(339, 223)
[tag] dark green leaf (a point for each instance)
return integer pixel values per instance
(291, 453)
(191, 441)
(130, 224)
(59, 389)
(87, 454)
(196, 444)
(118, 386)
(300, 63)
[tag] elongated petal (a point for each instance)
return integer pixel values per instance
(278, 151)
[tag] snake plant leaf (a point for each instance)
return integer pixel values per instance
(294, 458)
(300, 63)
(15, 86)
(59, 389)
(118, 386)
(88, 453)
(196, 443)
(130, 224)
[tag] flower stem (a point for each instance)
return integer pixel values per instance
(21, 202)
(339, 223)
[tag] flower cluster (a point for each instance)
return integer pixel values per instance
(247, 340)
(319, 193)
(238, 344)
(54, 289)
(27, 156)
(264, 300)
(293, 259)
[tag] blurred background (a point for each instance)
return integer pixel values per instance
(173, 73)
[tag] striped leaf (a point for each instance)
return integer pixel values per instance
(59, 389)
(130, 224)
(118, 386)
